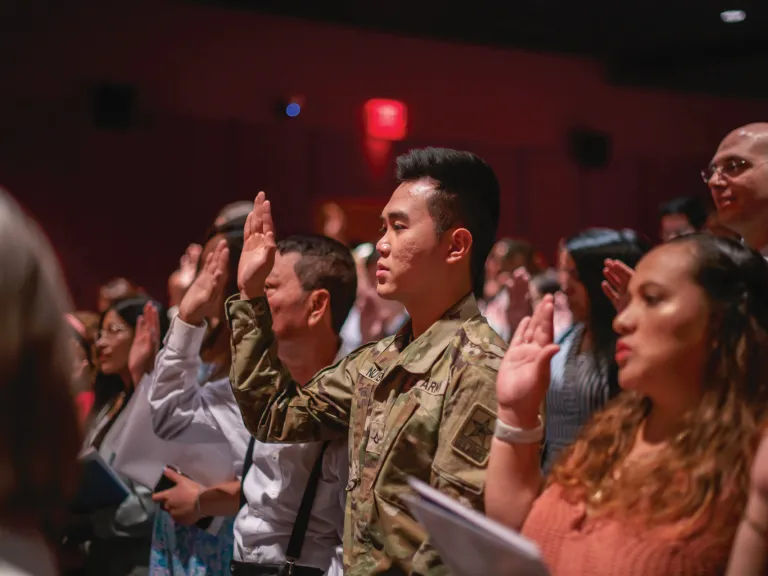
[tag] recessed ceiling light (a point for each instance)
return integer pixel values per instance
(733, 16)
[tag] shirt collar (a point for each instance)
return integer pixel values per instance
(418, 356)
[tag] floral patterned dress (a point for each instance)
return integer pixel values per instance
(189, 551)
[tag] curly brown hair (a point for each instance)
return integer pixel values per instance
(702, 475)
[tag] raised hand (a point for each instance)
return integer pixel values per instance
(518, 290)
(203, 297)
(181, 279)
(258, 256)
(523, 377)
(616, 283)
(146, 343)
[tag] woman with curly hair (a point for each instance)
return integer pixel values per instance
(657, 482)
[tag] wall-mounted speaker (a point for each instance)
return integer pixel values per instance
(113, 106)
(589, 148)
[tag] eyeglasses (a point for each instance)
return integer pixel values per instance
(111, 331)
(729, 169)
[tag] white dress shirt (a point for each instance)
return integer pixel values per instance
(274, 487)
(187, 413)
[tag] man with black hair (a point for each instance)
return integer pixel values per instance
(681, 216)
(421, 403)
(310, 290)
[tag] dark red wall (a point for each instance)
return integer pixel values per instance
(128, 203)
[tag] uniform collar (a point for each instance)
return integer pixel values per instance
(420, 354)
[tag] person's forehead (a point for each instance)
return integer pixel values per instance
(667, 264)
(410, 198)
(745, 143)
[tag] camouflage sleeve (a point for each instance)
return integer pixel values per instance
(464, 444)
(275, 408)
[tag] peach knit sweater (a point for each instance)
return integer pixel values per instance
(575, 545)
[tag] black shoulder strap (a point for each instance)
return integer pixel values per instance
(296, 543)
(247, 463)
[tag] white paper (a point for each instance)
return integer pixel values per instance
(469, 543)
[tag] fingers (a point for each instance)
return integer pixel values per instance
(257, 220)
(247, 229)
(194, 251)
(539, 317)
(172, 475)
(546, 355)
(517, 338)
(222, 259)
(268, 227)
(610, 292)
(160, 496)
(141, 326)
(544, 331)
(210, 263)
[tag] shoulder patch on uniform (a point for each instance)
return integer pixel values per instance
(473, 438)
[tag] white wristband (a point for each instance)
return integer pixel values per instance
(514, 435)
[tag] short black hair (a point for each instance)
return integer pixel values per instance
(694, 208)
(467, 194)
(517, 249)
(325, 264)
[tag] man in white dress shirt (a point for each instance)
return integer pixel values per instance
(311, 290)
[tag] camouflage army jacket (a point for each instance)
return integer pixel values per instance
(424, 409)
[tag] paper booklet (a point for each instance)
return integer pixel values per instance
(469, 543)
(99, 487)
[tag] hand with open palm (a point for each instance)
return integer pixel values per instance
(524, 373)
(203, 297)
(258, 256)
(616, 283)
(146, 343)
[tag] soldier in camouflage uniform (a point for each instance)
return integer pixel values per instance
(421, 403)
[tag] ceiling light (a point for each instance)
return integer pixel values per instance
(733, 16)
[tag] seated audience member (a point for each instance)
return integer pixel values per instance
(584, 372)
(310, 291)
(40, 435)
(119, 538)
(507, 255)
(681, 216)
(657, 482)
(191, 403)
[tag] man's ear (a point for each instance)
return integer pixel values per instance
(319, 303)
(460, 245)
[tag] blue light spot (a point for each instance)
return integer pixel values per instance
(293, 109)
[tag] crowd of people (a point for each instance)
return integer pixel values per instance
(267, 418)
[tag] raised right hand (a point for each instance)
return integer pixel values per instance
(258, 256)
(616, 283)
(523, 377)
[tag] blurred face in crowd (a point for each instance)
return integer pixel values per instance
(573, 288)
(412, 255)
(674, 225)
(663, 331)
(287, 299)
(114, 343)
(738, 180)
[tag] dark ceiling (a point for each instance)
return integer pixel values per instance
(677, 44)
